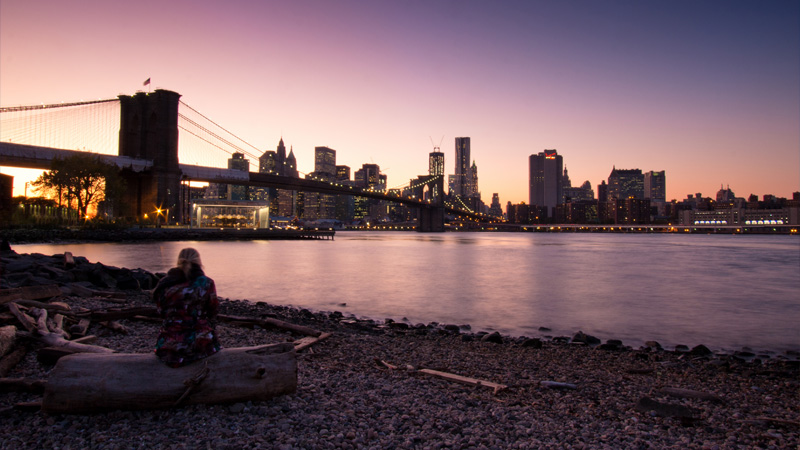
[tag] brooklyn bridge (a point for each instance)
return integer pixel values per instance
(153, 138)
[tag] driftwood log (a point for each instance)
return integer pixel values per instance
(84, 382)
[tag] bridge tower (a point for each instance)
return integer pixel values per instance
(149, 130)
(431, 218)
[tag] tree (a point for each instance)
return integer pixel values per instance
(80, 180)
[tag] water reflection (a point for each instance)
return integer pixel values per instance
(722, 291)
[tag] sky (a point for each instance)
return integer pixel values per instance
(708, 91)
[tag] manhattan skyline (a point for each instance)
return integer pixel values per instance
(706, 91)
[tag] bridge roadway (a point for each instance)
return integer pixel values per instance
(36, 157)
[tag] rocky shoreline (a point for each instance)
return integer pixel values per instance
(364, 387)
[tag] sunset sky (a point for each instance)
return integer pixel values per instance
(707, 90)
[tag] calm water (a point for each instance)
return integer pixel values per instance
(722, 291)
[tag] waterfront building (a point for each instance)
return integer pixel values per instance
(545, 188)
(629, 211)
(655, 186)
(229, 214)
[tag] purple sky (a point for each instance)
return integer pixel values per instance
(707, 90)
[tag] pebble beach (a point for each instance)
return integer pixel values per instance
(363, 388)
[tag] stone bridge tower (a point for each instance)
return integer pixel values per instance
(148, 129)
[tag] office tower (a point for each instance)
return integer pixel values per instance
(602, 191)
(280, 158)
(545, 180)
(325, 161)
(472, 186)
(495, 209)
(725, 195)
(462, 166)
(625, 183)
(287, 199)
(436, 163)
(655, 186)
(237, 161)
(369, 177)
(342, 173)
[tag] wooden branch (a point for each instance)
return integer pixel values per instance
(57, 307)
(29, 293)
(558, 385)
(43, 335)
(269, 323)
(11, 360)
(688, 393)
(386, 364)
(113, 325)
(464, 380)
(80, 328)
(22, 385)
(56, 325)
(25, 320)
(105, 315)
(304, 343)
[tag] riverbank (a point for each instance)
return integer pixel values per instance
(32, 235)
(362, 388)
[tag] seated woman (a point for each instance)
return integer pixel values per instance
(187, 300)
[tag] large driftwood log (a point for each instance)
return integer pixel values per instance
(83, 383)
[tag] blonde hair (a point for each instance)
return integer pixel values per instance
(186, 258)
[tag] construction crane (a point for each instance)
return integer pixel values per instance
(436, 148)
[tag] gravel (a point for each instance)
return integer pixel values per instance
(347, 399)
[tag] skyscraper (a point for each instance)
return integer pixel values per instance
(544, 182)
(237, 161)
(655, 186)
(625, 183)
(325, 161)
(462, 166)
(436, 163)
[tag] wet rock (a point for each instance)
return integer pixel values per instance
(654, 345)
(700, 350)
(452, 328)
(584, 338)
(495, 338)
(532, 343)
(680, 348)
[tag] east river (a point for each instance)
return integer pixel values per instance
(723, 291)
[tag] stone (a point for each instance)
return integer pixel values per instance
(700, 350)
(532, 343)
(452, 328)
(495, 338)
(585, 338)
(653, 345)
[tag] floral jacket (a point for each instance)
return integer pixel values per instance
(188, 306)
